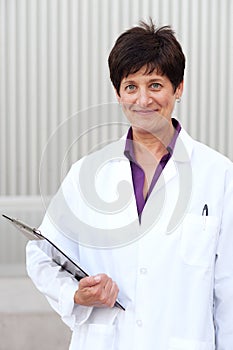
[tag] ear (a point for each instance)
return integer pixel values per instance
(179, 90)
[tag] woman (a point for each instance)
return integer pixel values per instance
(164, 246)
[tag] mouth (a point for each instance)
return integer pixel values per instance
(145, 112)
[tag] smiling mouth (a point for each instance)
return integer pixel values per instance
(145, 111)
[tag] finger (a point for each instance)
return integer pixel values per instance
(113, 293)
(89, 281)
(108, 288)
(109, 293)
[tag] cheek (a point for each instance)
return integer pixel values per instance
(126, 105)
(125, 109)
(124, 100)
(168, 101)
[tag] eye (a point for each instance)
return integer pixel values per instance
(156, 86)
(130, 87)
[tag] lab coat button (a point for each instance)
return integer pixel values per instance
(143, 271)
(139, 323)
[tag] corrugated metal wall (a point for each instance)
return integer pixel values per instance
(53, 64)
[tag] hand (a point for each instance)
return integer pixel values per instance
(99, 290)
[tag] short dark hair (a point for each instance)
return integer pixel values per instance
(146, 45)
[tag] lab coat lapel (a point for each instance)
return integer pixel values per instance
(182, 154)
(172, 192)
(126, 175)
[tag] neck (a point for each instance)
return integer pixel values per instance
(155, 143)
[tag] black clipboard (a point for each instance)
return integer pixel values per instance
(61, 258)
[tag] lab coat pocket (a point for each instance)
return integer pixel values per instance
(187, 344)
(198, 240)
(93, 336)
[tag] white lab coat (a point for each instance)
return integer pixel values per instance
(175, 275)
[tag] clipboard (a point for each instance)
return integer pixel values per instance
(60, 258)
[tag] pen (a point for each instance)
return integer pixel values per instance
(205, 213)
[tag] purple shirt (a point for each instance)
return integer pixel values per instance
(138, 175)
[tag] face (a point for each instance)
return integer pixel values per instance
(148, 100)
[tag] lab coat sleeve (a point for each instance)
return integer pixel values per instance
(57, 285)
(223, 289)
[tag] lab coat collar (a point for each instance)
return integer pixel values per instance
(181, 154)
(183, 147)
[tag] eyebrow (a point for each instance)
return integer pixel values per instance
(126, 82)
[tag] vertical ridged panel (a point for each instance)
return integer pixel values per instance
(53, 64)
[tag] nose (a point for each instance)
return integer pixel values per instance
(144, 99)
